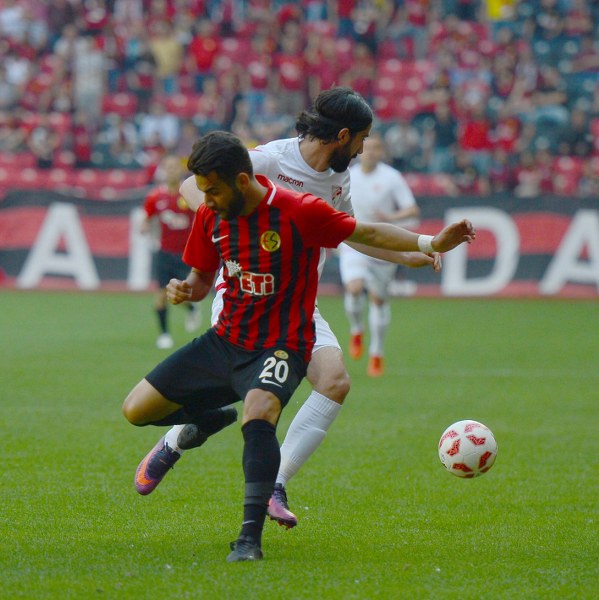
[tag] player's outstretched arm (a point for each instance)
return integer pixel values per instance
(193, 289)
(389, 237)
(407, 259)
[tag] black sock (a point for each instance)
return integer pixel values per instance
(209, 421)
(161, 312)
(261, 460)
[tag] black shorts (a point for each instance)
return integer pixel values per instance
(210, 372)
(168, 265)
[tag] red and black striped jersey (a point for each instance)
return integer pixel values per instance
(270, 262)
(174, 215)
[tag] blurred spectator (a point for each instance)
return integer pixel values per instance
(188, 137)
(13, 135)
(212, 111)
(43, 142)
(549, 99)
(528, 178)
(588, 186)
(548, 21)
(80, 141)
(12, 20)
(578, 20)
(575, 137)
(61, 14)
(256, 73)
(88, 78)
(140, 68)
(159, 129)
(323, 68)
(404, 144)
(362, 73)
(167, 52)
(441, 139)
(272, 124)
(202, 52)
(289, 81)
(501, 172)
(587, 58)
(474, 137)
(117, 143)
(8, 90)
(468, 179)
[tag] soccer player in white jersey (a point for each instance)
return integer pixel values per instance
(379, 194)
(330, 135)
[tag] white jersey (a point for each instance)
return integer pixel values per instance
(282, 162)
(382, 190)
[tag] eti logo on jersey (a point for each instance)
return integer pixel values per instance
(255, 284)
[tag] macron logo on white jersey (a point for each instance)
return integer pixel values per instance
(290, 180)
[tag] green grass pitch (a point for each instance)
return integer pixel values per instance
(379, 517)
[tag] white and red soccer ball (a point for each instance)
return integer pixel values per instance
(467, 449)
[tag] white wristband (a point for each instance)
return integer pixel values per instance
(425, 243)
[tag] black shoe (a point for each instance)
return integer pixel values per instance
(192, 435)
(244, 548)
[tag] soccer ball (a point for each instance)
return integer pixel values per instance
(467, 449)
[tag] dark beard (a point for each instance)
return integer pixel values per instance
(235, 207)
(340, 162)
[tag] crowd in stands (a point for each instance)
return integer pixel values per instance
(472, 96)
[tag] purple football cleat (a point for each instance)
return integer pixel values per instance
(154, 467)
(278, 508)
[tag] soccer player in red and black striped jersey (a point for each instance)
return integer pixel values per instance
(167, 206)
(269, 240)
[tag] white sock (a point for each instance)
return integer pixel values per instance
(172, 436)
(306, 432)
(379, 317)
(354, 309)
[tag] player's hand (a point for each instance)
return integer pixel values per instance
(178, 291)
(415, 260)
(453, 235)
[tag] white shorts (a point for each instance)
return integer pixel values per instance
(376, 274)
(324, 334)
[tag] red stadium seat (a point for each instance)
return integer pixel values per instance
(568, 165)
(184, 106)
(121, 103)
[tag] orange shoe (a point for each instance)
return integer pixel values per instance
(355, 346)
(375, 366)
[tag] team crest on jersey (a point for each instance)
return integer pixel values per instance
(182, 204)
(281, 354)
(233, 268)
(270, 241)
(336, 191)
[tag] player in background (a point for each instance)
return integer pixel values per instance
(379, 194)
(269, 240)
(330, 135)
(165, 205)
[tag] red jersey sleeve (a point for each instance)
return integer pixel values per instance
(150, 203)
(321, 224)
(200, 252)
